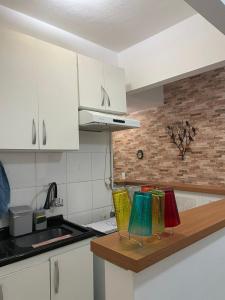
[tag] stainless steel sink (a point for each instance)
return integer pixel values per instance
(38, 237)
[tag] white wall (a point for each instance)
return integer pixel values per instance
(79, 175)
(187, 200)
(145, 99)
(196, 272)
(31, 26)
(176, 52)
(213, 11)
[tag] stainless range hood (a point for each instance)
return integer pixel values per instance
(96, 121)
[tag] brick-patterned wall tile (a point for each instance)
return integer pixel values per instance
(199, 99)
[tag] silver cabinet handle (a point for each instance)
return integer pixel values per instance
(107, 96)
(109, 103)
(34, 134)
(56, 277)
(44, 133)
(1, 293)
(103, 95)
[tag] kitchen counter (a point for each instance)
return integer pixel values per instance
(217, 190)
(196, 224)
(186, 265)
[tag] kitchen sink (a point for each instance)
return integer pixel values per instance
(59, 233)
(39, 237)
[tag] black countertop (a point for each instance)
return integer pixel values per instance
(13, 249)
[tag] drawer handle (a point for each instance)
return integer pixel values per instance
(44, 133)
(34, 134)
(56, 277)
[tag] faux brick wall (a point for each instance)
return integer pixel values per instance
(200, 100)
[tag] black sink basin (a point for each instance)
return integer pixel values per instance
(37, 238)
(59, 233)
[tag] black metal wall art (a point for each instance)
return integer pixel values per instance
(182, 134)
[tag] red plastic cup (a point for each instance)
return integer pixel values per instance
(172, 218)
(146, 188)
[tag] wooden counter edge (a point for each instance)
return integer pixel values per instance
(116, 259)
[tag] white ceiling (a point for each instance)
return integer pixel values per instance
(114, 24)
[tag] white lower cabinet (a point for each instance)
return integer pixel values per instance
(62, 274)
(72, 275)
(32, 283)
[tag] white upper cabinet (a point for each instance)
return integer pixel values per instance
(91, 82)
(18, 98)
(115, 89)
(38, 94)
(56, 75)
(101, 86)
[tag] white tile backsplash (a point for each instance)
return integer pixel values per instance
(26, 196)
(78, 167)
(81, 217)
(50, 167)
(78, 174)
(79, 197)
(101, 195)
(20, 168)
(100, 165)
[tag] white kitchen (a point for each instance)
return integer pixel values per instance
(82, 84)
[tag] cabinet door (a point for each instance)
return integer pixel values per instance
(115, 89)
(31, 283)
(56, 75)
(18, 99)
(72, 275)
(90, 80)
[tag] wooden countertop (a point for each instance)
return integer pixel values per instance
(217, 190)
(196, 224)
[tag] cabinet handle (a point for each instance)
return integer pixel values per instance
(56, 277)
(103, 95)
(1, 293)
(108, 98)
(44, 133)
(34, 134)
(109, 103)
